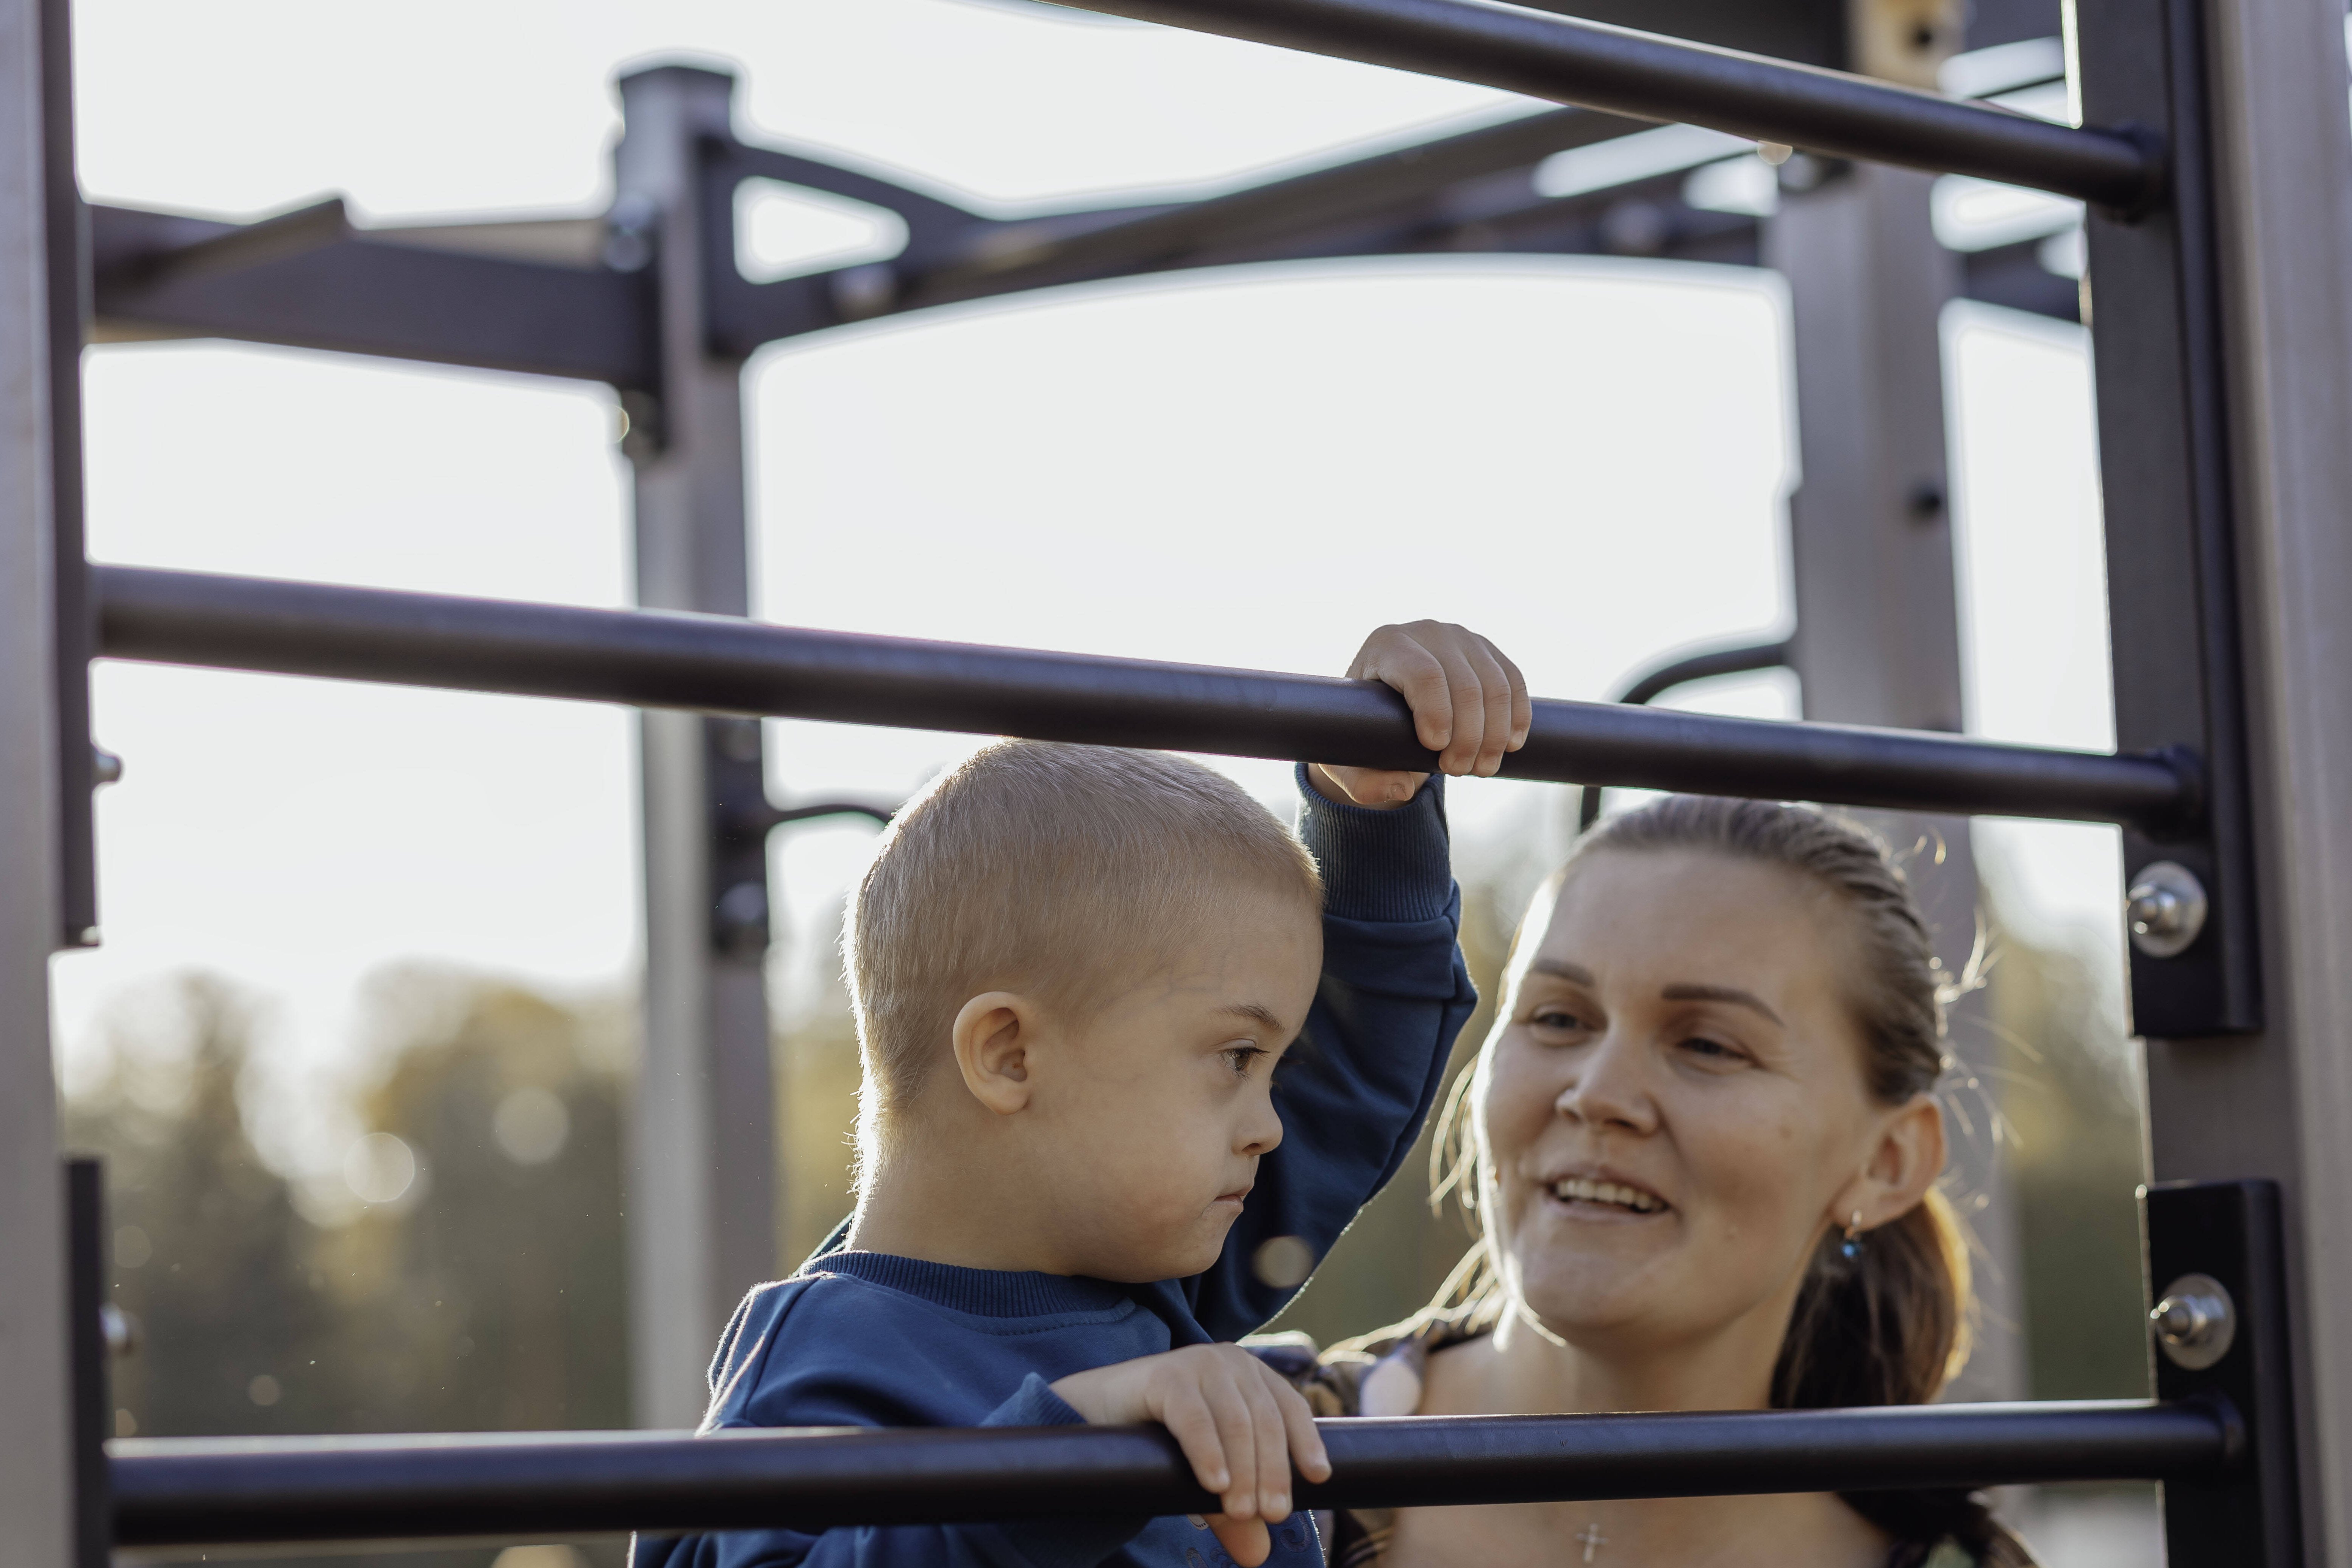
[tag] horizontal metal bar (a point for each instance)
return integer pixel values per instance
(1655, 682)
(1648, 77)
(1470, 192)
(291, 280)
(215, 1490)
(304, 229)
(1272, 215)
(719, 663)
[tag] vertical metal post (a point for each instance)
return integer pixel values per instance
(1877, 636)
(66, 225)
(2224, 333)
(36, 1447)
(702, 1186)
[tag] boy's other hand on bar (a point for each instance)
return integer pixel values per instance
(1469, 706)
(1238, 1422)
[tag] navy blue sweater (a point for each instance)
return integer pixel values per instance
(870, 1339)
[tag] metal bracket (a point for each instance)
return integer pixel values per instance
(93, 1405)
(2217, 1249)
(1658, 679)
(2153, 302)
(736, 773)
(741, 819)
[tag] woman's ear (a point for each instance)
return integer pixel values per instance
(993, 1035)
(1905, 1161)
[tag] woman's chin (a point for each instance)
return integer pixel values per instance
(1597, 1290)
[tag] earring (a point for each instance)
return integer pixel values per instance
(1853, 1247)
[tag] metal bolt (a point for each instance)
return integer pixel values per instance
(642, 433)
(2164, 908)
(859, 292)
(1635, 228)
(2196, 1322)
(1804, 172)
(737, 738)
(741, 925)
(632, 228)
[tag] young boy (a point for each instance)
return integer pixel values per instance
(1074, 971)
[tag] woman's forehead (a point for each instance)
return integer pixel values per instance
(1691, 915)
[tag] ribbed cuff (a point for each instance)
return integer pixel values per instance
(1080, 1541)
(1035, 1406)
(1394, 865)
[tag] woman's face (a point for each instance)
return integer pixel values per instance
(1675, 1107)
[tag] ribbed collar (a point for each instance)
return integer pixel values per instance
(984, 1292)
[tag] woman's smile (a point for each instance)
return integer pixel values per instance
(1603, 1195)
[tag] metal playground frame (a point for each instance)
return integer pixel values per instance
(2215, 162)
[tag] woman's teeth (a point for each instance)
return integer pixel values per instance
(1580, 1187)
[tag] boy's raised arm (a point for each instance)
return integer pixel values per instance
(1358, 1086)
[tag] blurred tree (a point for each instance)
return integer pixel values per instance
(2077, 1155)
(210, 1255)
(482, 1288)
(817, 1122)
(494, 1293)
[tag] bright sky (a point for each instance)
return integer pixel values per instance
(1586, 459)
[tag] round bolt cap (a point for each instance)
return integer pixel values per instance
(2196, 1322)
(2164, 908)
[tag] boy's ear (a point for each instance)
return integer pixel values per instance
(994, 1036)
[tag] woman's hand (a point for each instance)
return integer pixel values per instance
(1238, 1422)
(1469, 705)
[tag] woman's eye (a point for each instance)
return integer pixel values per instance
(1558, 1018)
(1713, 1050)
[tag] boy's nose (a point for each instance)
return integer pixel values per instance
(1261, 1134)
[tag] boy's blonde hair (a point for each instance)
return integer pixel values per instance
(1050, 870)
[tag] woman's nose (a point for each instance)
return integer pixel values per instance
(1607, 1088)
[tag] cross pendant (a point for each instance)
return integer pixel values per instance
(1590, 1538)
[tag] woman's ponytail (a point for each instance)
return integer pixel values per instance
(1887, 1326)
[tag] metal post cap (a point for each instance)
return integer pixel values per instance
(2196, 1322)
(2164, 908)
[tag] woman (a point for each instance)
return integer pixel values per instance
(1702, 1144)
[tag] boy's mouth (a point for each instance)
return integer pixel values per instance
(1618, 1195)
(1235, 1197)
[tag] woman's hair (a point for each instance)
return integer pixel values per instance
(1891, 1324)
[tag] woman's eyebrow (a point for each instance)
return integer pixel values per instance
(1574, 973)
(1737, 997)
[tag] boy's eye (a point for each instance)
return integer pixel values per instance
(1242, 1058)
